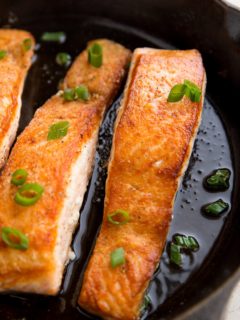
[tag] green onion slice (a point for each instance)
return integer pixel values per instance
(188, 88)
(117, 257)
(146, 303)
(63, 59)
(19, 177)
(95, 55)
(82, 93)
(69, 94)
(58, 130)
(59, 37)
(218, 180)
(186, 242)
(177, 92)
(215, 209)
(14, 238)
(27, 44)
(181, 243)
(118, 217)
(175, 254)
(192, 91)
(28, 194)
(3, 54)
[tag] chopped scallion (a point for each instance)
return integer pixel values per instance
(27, 44)
(63, 59)
(19, 177)
(181, 244)
(218, 180)
(188, 88)
(82, 92)
(175, 254)
(118, 217)
(146, 303)
(28, 194)
(192, 91)
(59, 37)
(186, 242)
(69, 94)
(14, 238)
(177, 92)
(3, 54)
(95, 55)
(58, 130)
(117, 257)
(215, 209)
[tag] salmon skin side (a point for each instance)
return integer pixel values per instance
(13, 70)
(62, 167)
(152, 145)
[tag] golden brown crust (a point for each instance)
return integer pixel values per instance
(49, 163)
(151, 147)
(13, 70)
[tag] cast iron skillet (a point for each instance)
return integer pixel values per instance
(201, 288)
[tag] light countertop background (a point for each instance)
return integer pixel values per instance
(233, 3)
(232, 310)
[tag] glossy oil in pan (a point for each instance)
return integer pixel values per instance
(171, 290)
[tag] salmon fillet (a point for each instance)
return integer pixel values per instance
(63, 168)
(152, 144)
(13, 70)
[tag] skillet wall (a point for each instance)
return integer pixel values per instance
(206, 25)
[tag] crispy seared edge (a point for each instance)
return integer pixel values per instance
(87, 300)
(10, 123)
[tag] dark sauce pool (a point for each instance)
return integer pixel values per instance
(211, 151)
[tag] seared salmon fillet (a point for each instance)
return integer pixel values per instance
(152, 144)
(16, 51)
(61, 166)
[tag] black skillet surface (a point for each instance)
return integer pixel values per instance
(190, 293)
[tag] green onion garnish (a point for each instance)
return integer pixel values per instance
(215, 209)
(63, 59)
(59, 37)
(188, 88)
(117, 257)
(82, 93)
(186, 242)
(95, 56)
(181, 244)
(28, 194)
(218, 180)
(177, 92)
(118, 217)
(27, 44)
(175, 254)
(3, 54)
(192, 91)
(146, 302)
(19, 177)
(14, 238)
(69, 94)
(58, 130)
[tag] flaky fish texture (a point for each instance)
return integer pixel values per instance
(13, 70)
(63, 167)
(152, 144)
